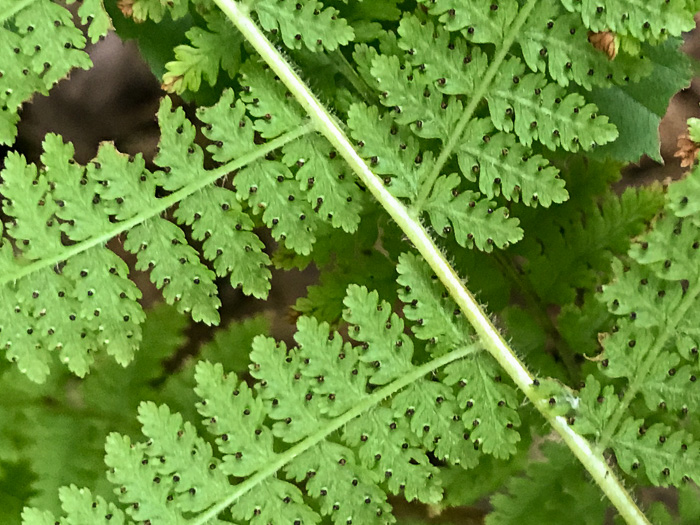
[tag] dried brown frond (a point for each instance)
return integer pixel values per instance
(687, 150)
(605, 42)
(126, 7)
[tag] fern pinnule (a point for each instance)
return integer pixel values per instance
(39, 47)
(218, 46)
(649, 21)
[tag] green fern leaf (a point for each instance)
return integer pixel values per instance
(554, 118)
(80, 506)
(643, 21)
(488, 405)
(40, 47)
(452, 72)
(595, 407)
(405, 90)
(558, 43)
(93, 12)
(436, 418)
(651, 350)
(228, 128)
(86, 304)
(176, 474)
(218, 46)
(547, 488)
(142, 10)
(577, 251)
(480, 22)
(177, 151)
(272, 190)
(348, 491)
(388, 446)
(438, 319)
(217, 219)
(306, 21)
(175, 267)
(267, 101)
(476, 222)
(666, 456)
(23, 192)
(330, 190)
(390, 149)
(387, 348)
(171, 476)
(506, 167)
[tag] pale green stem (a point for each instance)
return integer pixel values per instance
(474, 101)
(305, 444)
(489, 335)
(160, 206)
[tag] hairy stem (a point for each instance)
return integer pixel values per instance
(648, 363)
(489, 335)
(475, 100)
(360, 408)
(161, 206)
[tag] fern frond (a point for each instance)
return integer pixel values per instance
(302, 396)
(424, 83)
(92, 13)
(557, 43)
(216, 47)
(668, 457)
(554, 118)
(475, 221)
(88, 303)
(647, 21)
(653, 349)
(504, 166)
(482, 22)
(81, 507)
(305, 21)
(39, 45)
(141, 10)
(440, 321)
(572, 249)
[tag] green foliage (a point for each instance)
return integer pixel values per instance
(652, 349)
(217, 46)
(494, 128)
(39, 46)
(530, 498)
(644, 22)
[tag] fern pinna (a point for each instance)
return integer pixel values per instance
(486, 133)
